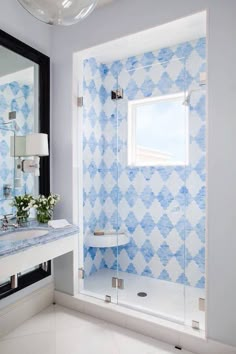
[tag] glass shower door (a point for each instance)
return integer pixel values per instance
(152, 140)
(100, 177)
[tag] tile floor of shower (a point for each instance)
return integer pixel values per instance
(167, 300)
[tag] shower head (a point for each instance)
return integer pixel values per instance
(186, 102)
(202, 84)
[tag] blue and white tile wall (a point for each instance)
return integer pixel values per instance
(16, 96)
(162, 209)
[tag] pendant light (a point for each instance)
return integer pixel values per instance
(59, 12)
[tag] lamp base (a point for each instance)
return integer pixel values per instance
(31, 166)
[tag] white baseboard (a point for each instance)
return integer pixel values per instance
(16, 313)
(159, 329)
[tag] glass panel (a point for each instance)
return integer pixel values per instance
(18, 117)
(144, 181)
(19, 86)
(7, 177)
(153, 188)
(99, 183)
(196, 208)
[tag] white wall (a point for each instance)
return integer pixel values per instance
(129, 16)
(18, 23)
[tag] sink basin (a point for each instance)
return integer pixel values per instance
(23, 235)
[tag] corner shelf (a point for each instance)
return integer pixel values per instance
(107, 240)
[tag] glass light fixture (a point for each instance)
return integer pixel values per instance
(59, 12)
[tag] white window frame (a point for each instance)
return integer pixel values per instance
(131, 146)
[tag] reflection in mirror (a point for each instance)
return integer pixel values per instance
(18, 118)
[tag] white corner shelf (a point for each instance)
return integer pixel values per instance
(107, 240)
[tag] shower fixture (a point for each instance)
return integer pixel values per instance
(186, 102)
(59, 12)
(202, 84)
(187, 99)
(117, 94)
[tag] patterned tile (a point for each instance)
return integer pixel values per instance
(147, 59)
(147, 87)
(184, 50)
(131, 90)
(147, 251)
(162, 209)
(164, 56)
(165, 83)
(164, 254)
(131, 222)
(131, 196)
(164, 225)
(147, 224)
(15, 96)
(165, 197)
(147, 197)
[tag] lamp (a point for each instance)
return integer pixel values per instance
(59, 12)
(35, 144)
(18, 146)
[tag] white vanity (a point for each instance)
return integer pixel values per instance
(28, 247)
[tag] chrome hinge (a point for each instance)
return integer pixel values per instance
(107, 298)
(12, 115)
(195, 325)
(80, 101)
(81, 273)
(44, 266)
(201, 304)
(14, 281)
(118, 283)
(117, 94)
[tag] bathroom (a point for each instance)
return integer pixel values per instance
(120, 128)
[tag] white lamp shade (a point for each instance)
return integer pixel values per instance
(37, 144)
(18, 146)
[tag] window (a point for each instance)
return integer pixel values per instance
(158, 131)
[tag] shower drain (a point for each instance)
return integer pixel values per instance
(142, 294)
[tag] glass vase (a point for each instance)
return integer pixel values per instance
(43, 216)
(22, 216)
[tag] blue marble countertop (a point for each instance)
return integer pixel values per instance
(10, 247)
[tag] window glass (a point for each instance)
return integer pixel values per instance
(159, 131)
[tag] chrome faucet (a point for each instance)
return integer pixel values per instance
(5, 223)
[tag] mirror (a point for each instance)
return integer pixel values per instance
(24, 112)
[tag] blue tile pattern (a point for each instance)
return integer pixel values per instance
(161, 208)
(14, 96)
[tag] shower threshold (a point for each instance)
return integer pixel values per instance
(166, 300)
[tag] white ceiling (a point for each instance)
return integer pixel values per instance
(169, 34)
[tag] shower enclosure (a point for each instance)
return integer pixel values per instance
(144, 182)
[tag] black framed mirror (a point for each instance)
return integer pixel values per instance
(25, 98)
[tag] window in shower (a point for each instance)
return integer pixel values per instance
(158, 131)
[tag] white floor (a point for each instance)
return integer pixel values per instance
(165, 299)
(58, 330)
